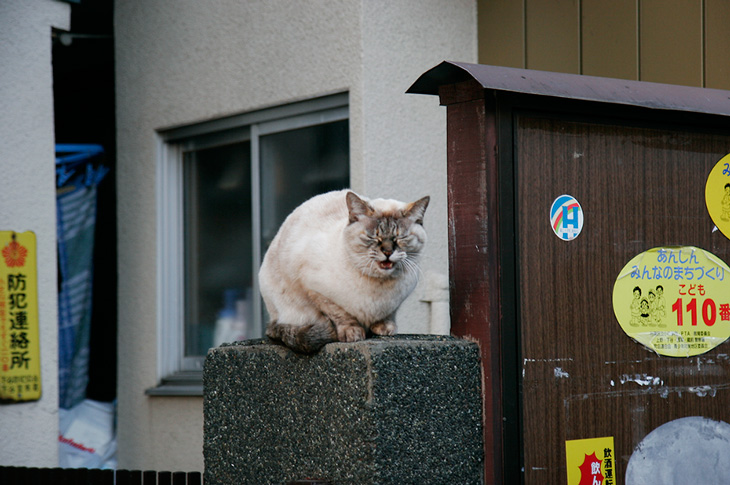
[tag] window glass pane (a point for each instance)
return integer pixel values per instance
(218, 247)
(297, 165)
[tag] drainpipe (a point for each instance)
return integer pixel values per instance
(436, 294)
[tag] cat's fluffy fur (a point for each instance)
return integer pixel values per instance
(339, 268)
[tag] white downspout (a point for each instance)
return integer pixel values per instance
(436, 294)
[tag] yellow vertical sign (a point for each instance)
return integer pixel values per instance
(591, 461)
(20, 360)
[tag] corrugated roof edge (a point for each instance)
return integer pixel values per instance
(573, 86)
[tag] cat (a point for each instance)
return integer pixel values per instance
(339, 268)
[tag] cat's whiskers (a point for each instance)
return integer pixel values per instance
(410, 265)
(366, 264)
(371, 267)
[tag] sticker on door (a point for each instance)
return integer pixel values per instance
(717, 195)
(590, 461)
(566, 217)
(675, 300)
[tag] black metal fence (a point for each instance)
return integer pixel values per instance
(81, 476)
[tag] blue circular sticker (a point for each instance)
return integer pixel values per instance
(566, 217)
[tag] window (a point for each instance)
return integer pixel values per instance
(224, 187)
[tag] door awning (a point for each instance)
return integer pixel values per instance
(578, 87)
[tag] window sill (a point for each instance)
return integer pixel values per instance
(180, 384)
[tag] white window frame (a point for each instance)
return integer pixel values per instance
(180, 375)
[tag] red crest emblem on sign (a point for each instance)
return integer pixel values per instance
(14, 254)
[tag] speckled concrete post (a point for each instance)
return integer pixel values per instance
(399, 410)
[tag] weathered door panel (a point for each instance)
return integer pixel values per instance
(582, 377)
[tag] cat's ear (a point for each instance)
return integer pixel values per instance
(357, 207)
(416, 210)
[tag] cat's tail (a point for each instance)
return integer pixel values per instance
(306, 339)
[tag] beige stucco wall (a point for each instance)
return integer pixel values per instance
(29, 432)
(181, 62)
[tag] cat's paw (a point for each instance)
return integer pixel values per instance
(385, 327)
(352, 333)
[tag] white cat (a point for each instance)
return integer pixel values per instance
(339, 267)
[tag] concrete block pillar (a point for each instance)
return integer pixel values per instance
(402, 409)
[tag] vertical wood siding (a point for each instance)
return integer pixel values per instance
(683, 42)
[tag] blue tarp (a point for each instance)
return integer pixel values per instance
(77, 179)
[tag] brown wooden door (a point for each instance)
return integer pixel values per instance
(640, 187)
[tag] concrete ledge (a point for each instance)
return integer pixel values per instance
(403, 409)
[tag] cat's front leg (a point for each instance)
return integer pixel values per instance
(384, 327)
(350, 333)
(347, 326)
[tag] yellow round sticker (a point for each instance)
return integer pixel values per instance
(717, 195)
(674, 300)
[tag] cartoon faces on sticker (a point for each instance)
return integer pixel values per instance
(717, 195)
(648, 308)
(725, 203)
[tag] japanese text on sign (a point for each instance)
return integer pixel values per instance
(590, 461)
(677, 267)
(674, 300)
(19, 337)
